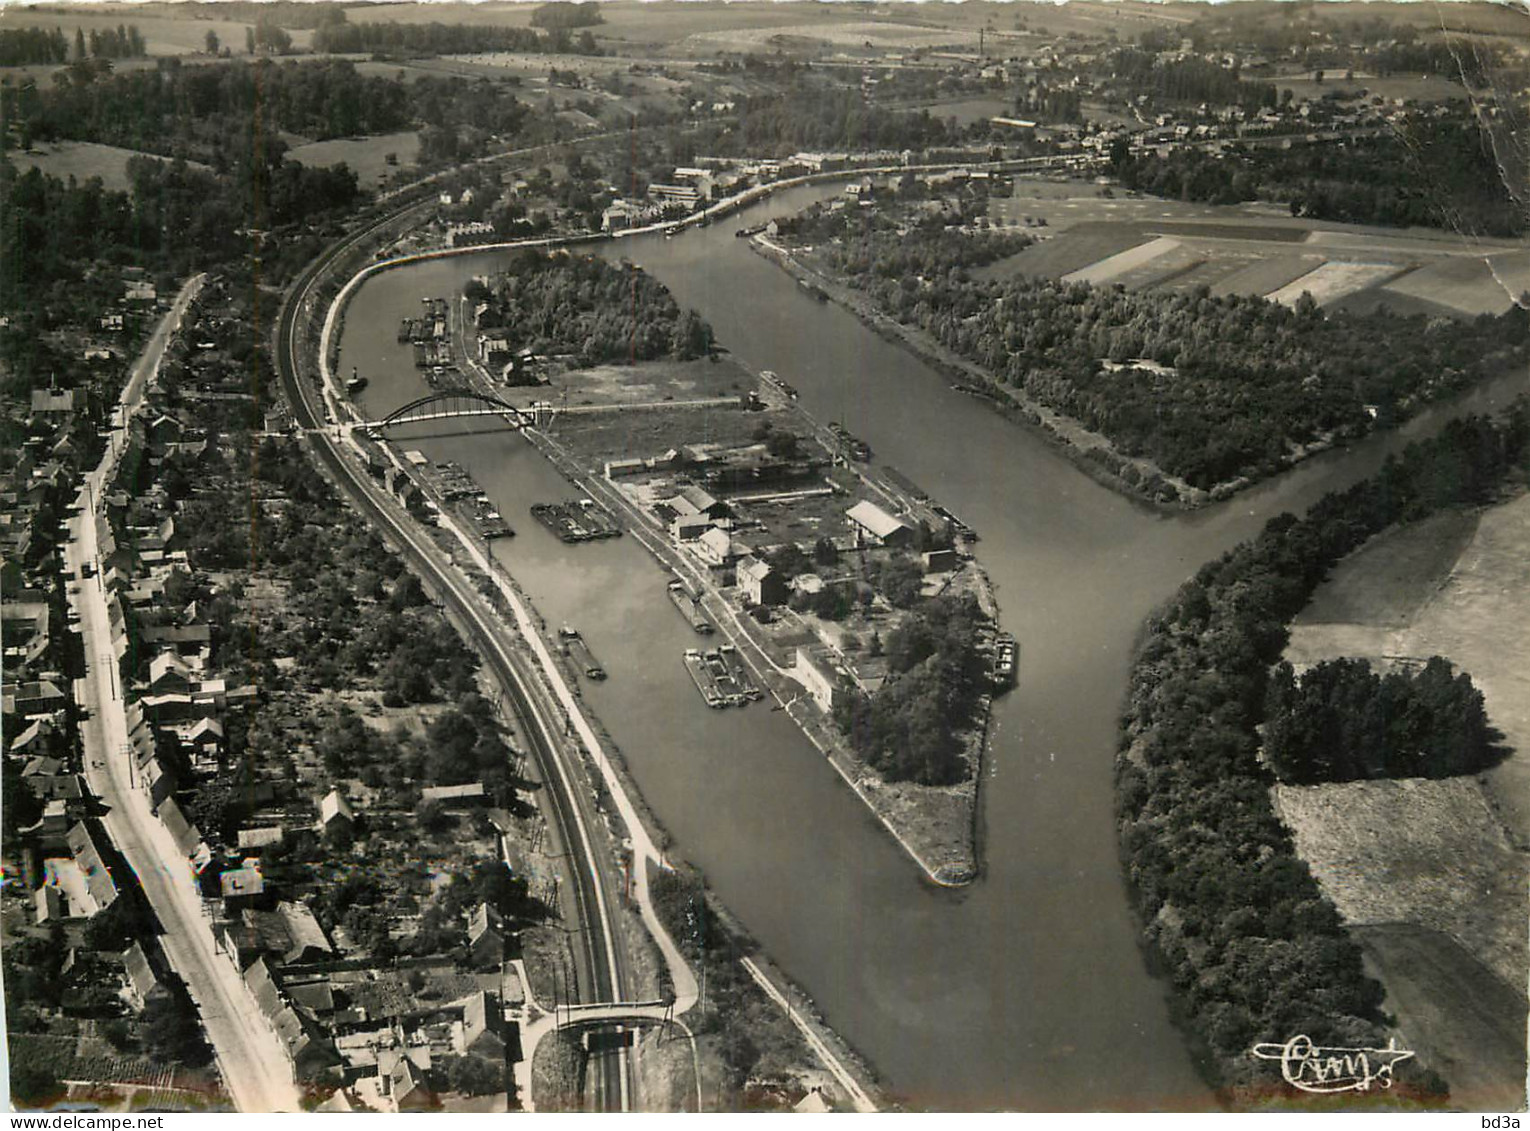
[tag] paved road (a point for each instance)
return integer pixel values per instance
(254, 1067)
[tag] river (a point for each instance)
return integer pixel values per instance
(1026, 990)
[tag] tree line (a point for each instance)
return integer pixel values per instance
(1426, 172)
(1341, 721)
(20, 47)
(1254, 949)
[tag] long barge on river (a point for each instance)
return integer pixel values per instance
(578, 520)
(713, 679)
(690, 607)
(579, 651)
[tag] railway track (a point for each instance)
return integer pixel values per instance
(600, 974)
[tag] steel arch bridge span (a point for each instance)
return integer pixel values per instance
(452, 404)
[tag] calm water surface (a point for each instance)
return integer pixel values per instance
(1026, 990)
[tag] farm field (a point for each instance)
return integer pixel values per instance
(82, 160)
(367, 156)
(1422, 870)
(1453, 1011)
(1143, 242)
(1433, 873)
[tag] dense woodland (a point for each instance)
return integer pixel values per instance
(911, 728)
(1254, 949)
(585, 307)
(815, 115)
(1235, 382)
(1438, 173)
(218, 114)
(175, 218)
(1190, 80)
(1341, 721)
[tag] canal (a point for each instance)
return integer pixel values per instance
(1026, 990)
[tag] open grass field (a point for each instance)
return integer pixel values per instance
(1387, 581)
(1430, 853)
(1456, 1014)
(368, 156)
(81, 160)
(645, 383)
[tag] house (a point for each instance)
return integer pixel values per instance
(39, 697)
(24, 627)
(186, 836)
(760, 584)
(940, 561)
(687, 196)
(879, 527)
(52, 402)
(307, 1048)
(689, 527)
(820, 675)
(813, 1103)
(714, 546)
(253, 840)
(144, 985)
(482, 1022)
(242, 883)
(335, 811)
(286, 936)
(486, 938)
(703, 502)
(453, 796)
(406, 1087)
(51, 906)
(157, 781)
(99, 885)
(169, 674)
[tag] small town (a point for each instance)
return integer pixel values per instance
(635, 557)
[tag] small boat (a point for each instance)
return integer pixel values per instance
(1006, 655)
(356, 383)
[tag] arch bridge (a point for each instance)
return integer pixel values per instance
(452, 404)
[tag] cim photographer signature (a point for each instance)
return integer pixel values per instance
(1314, 1068)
